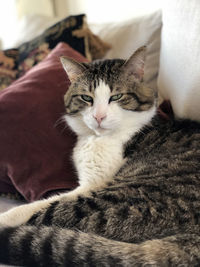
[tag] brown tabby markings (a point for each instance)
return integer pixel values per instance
(136, 96)
(152, 205)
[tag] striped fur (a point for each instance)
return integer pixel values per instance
(152, 205)
(47, 246)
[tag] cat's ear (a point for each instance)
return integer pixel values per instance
(135, 64)
(72, 67)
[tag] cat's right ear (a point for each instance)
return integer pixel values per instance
(135, 64)
(72, 67)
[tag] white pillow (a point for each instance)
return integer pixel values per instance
(126, 37)
(179, 74)
(31, 26)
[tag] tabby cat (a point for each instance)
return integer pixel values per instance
(138, 202)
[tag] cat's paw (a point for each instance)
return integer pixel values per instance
(21, 214)
(11, 218)
(4, 220)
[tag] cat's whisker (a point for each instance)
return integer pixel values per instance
(66, 127)
(59, 121)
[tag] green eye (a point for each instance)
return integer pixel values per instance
(87, 98)
(115, 97)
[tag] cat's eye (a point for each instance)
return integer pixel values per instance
(87, 98)
(115, 97)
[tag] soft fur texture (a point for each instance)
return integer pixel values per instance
(138, 199)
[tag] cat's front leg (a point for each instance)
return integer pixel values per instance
(20, 215)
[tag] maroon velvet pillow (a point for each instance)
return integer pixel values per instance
(35, 145)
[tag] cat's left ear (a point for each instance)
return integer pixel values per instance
(135, 64)
(72, 67)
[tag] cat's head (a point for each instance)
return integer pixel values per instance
(106, 95)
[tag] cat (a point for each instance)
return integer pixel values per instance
(137, 203)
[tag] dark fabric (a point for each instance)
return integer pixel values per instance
(35, 145)
(16, 62)
(32, 52)
(165, 111)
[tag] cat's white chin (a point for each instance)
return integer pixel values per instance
(107, 127)
(101, 131)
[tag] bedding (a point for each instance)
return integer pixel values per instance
(6, 204)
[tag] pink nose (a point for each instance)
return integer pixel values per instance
(99, 118)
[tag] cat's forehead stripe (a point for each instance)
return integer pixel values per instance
(106, 70)
(102, 91)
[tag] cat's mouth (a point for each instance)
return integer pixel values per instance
(100, 130)
(101, 127)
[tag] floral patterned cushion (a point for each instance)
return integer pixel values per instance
(8, 67)
(72, 30)
(14, 63)
(34, 57)
(34, 51)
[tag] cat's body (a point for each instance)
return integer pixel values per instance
(139, 194)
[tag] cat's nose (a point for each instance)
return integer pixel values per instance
(99, 118)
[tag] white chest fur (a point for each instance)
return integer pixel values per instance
(97, 159)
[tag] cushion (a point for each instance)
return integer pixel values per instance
(179, 73)
(39, 42)
(97, 47)
(16, 62)
(8, 67)
(125, 37)
(32, 52)
(38, 23)
(36, 145)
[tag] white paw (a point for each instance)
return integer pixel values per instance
(5, 220)
(21, 214)
(13, 217)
